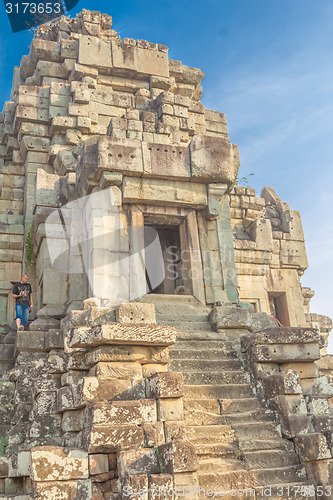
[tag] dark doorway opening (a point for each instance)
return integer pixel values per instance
(170, 243)
(279, 308)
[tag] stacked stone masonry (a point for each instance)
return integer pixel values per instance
(98, 397)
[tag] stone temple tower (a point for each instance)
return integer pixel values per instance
(153, 361)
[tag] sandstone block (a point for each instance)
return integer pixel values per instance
(129, 486)
(153, 434)
(170, 409)
(45, 426)
(56, 490)
(213, 159)
(261, 370)
(92, 389)
(141, 354)
(119, 413)
(286, 335)
(322, 423)
(261, 321)
(109, 439)
(72, 421)
(167, 161)
(116, 155)
(165, 385)
(51, 463)
(4, 467)
(140, 60)
(117, 370)
(229, 317)
(285, 353)
(179, 193)
(137, 313)
(65, 400)
(98, 463)
(283, 383)
(312, 447)
(23, 463)
(177, 456)
(318, 472)
(318, 405)
(159, 485)
(290, 404)
(118, 333)
(294, 425)
(34, 342)
(92, 315)
(304, 370)
(150, 369)
(134, 462)
(73, 377)
(174, 430)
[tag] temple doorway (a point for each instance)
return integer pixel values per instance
(169, 237)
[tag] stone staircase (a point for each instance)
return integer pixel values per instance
(237, 440)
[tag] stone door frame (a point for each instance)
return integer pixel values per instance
(186, 219)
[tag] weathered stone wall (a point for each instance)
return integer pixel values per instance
(282, 362)
(94, 408)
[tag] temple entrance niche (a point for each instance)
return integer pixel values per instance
(176, 228)
(169, 237)
(279, 307)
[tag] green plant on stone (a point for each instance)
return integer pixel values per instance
(28, 250)
(244, 181)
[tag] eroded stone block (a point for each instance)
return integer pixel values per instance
(117, 333)
(312, 447)
(178, 456)
(165, 385)
(51, 463)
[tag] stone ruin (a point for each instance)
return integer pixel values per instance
(147, 369)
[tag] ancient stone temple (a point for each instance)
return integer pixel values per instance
(153, 365)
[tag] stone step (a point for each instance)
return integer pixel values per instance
(238, 480)
(214, 450)
(234, 406)
(203, 335)
(197, 417)
(203, 345)
(220, 465)
(257, 430)
(210, 434)
(225, 407)
(256, 414)
(223, 377)
(263, 459)
(265, 444)
(174, 310)
(207, 365)
(30, 341)
(6, 352)
(197, 327)
(202, 354)
(157, 298)
(219, 391)
(186, 313)
(291, 474)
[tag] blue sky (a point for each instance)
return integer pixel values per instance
(268, 66)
